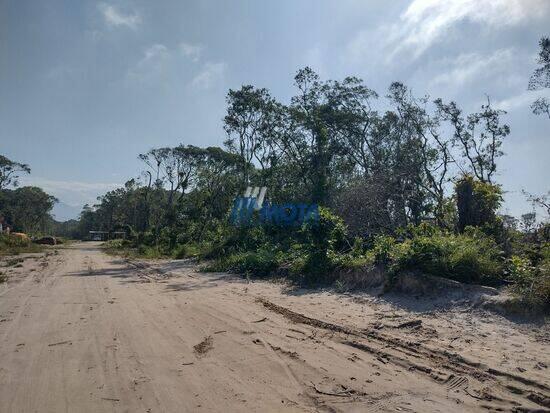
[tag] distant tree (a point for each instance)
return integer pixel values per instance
(540, 79)
(528, 222)
(541, 76)
(28, 208)
(541, 106)
(9, 172)
(539, 201)
(510, 222)
(87, 221)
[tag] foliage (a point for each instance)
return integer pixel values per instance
(27, 208)
(541, 76)
(471, 257)
(381, 170)
(540, 79)
(532, 283)
(259, 263)
(13, 245)
(9, 172)
(477, 202)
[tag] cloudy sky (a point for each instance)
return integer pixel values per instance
(85, 86)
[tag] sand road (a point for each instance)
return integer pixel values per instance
(81, 331)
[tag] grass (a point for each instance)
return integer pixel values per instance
(531, 282)
(10, 245)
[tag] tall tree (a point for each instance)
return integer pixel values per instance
(479, 137)
(28, 208)
(252, 120)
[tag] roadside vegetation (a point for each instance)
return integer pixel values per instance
(404, 184)
(14, 245)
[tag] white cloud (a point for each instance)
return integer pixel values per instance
(471, 66)
(159, 61)
(191, 51)
(152, 65)
(426, 21)
(210, 74)
(115, 18)
(520, 100)
(155, 52)
(73, 193)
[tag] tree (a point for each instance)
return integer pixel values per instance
(541, 76)
(28, 207)
(540, 79)
(423, 156)
(9, 172)
(477, 202)
(541, 106)
(479, 136)
(528, 222)
(318, 118)
(251, 122)
(539, 201)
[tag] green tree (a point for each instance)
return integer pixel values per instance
(252, 120)
(477, 202)
(28, 208)
(479, 136)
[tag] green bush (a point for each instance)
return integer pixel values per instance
(186, 251)
(352, 261)
(116, 244)
(531, 283)
(12, 245)
(256, 264)
(471, 257)
(477, 202)
(321, 240)
(383, 248)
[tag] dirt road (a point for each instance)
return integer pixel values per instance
(82, 331)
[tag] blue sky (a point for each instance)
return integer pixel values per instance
(86, 86)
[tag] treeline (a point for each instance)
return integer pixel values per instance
(380, 163)
(23, 209)
(404, 182)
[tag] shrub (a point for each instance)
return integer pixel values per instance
(258, 264)
(13, 245)
(116, 244)
(469, 257)
(477, 202)
(382, 249)
(321, 239)
(531, 283)
(186, 251)
(352, 261)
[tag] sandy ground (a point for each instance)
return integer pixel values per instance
(81, 331)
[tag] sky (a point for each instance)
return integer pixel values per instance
(86, 86)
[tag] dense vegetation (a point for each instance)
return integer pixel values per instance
(404, 184)
(25, 209)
